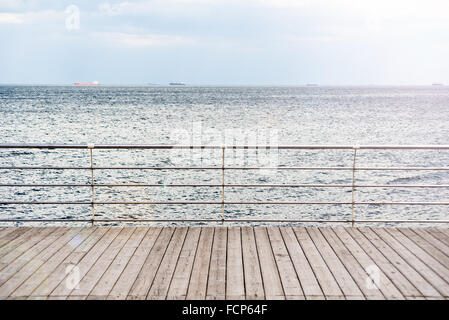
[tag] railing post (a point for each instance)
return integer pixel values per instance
(92, 182)
(222, 184)
(353, 183)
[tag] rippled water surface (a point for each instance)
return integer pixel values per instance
(231, 115)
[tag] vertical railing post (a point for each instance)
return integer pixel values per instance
(222, 184)
(92, 182)
(353, 184)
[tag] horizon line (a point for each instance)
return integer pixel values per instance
(310, 85)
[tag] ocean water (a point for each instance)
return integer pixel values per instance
(231, 115)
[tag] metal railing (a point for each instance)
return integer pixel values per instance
(223, 168)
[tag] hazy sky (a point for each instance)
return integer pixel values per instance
(264, 42)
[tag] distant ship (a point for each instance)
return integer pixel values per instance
(95, 83)
(177, 84)
(311, 85)
(437, 84)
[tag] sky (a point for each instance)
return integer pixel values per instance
(225, 42)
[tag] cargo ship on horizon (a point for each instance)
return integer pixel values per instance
(94, 83)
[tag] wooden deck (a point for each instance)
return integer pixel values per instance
(224, 263)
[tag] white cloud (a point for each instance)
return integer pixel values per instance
(283, 3)
(114, 9)
(161, 7)
(30, 17)
(11, 4)
(127, 40)
(11, 18)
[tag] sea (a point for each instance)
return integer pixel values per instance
(233, 115)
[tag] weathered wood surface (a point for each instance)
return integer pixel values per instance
(224, 263)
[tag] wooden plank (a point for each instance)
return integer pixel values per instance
(124, 283)
(295, 298)
(341, 275)
(181, 276)
(198, 278)
(287, 273)
(342, 297)
(12, 234)
(142, 285)
(81, 240)
(216, 284)
(427, 244)
(253, 277)
(62, 270)
(355, 269)
(219, 263)
(15, 238)
(84, 264)
(444, 230)
(31, 298)
(388, 268)
(307, 279)
(235, 283)
(50, 298)
(370, 265)
(270, 273)
(89, 278)
(25, 237)
(112, 273)
(437, 234)
(431, 270)
(430, 244)
(18, 251)
(416, 298)
(162, 280)
(9, 268)
(404, 267)
(19, 276)
(322, 297)
(325, 278)
(434, 298)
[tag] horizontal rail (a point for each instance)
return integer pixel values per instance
(228, 220)
(223, 185)
(233, 185)
(289, 147)
(221, 202)
(230, 168)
